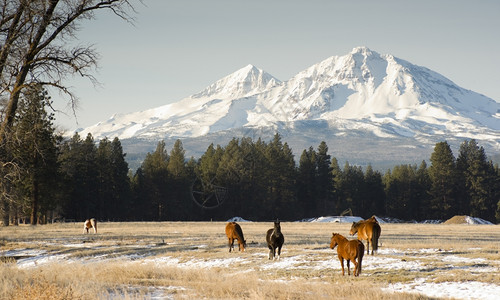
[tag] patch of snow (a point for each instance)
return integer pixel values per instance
(290, 262)
(458, 259)
(237, 219)
(334, 219)
(196, 263)
(459, 290)
(472, 220)
(391, 264)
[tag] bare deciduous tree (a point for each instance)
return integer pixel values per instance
(35, 48)
(34, 37)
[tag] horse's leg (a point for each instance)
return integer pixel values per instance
(229, 243)
(342, 264)
(368, 246)
(348, 267)
(271, 252)
(279, 252)
(355, 267)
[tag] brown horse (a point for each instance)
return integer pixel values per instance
(234, 232)
(368, 230)
(89, 223)
(349, 250)
(275, 240)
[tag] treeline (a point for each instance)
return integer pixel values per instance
(46, 177)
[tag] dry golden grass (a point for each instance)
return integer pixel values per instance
(142, 259)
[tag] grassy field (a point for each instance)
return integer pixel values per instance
(190, 260)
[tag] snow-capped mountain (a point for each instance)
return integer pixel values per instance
(359, 94)
(220, 106)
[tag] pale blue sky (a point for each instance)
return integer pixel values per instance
(178, 47)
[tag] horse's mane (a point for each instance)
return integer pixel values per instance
(239, 232)
(340, 236)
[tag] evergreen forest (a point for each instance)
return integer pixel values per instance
(58, 179)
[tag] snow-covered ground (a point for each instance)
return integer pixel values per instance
(432, 269)
(386, 260)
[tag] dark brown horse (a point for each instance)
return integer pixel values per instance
(350, 251)
(368, 230)
(234, 232)
(275, 240)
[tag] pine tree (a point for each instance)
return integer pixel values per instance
(478, 178)
(336, 173)
(306, 182)
(401, 186)
(349, 187)
(424, 184)
(113, 180)
(106, 207)
(374, 197)
(36, 152)
(324, 179)
(179, 203)
(248, 193)
(281, 176)
(155, 170)
(120, 180)
(497, 187)
(443, 174)
(177, 162)
(78, 167)
(209, 163)
(230, 169)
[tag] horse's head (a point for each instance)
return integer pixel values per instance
(333, 242)
(277, 227)
(354, 228)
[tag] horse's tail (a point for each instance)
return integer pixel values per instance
(375, 235)
(361, 252)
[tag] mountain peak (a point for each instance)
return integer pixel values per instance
(244, 82)
(362, 50)
(249, 68)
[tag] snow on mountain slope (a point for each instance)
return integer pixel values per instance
(362, 90)
(195, 115)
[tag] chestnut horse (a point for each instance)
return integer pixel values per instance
(349, 250)
(275, 240)
(89, 223)
(368, 230)
(234, 232)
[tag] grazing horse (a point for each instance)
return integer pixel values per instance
(275, 240)
(349, 250)
(89, 223)
(234, 232)
(368, 230)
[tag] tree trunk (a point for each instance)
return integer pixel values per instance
(34, 204)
